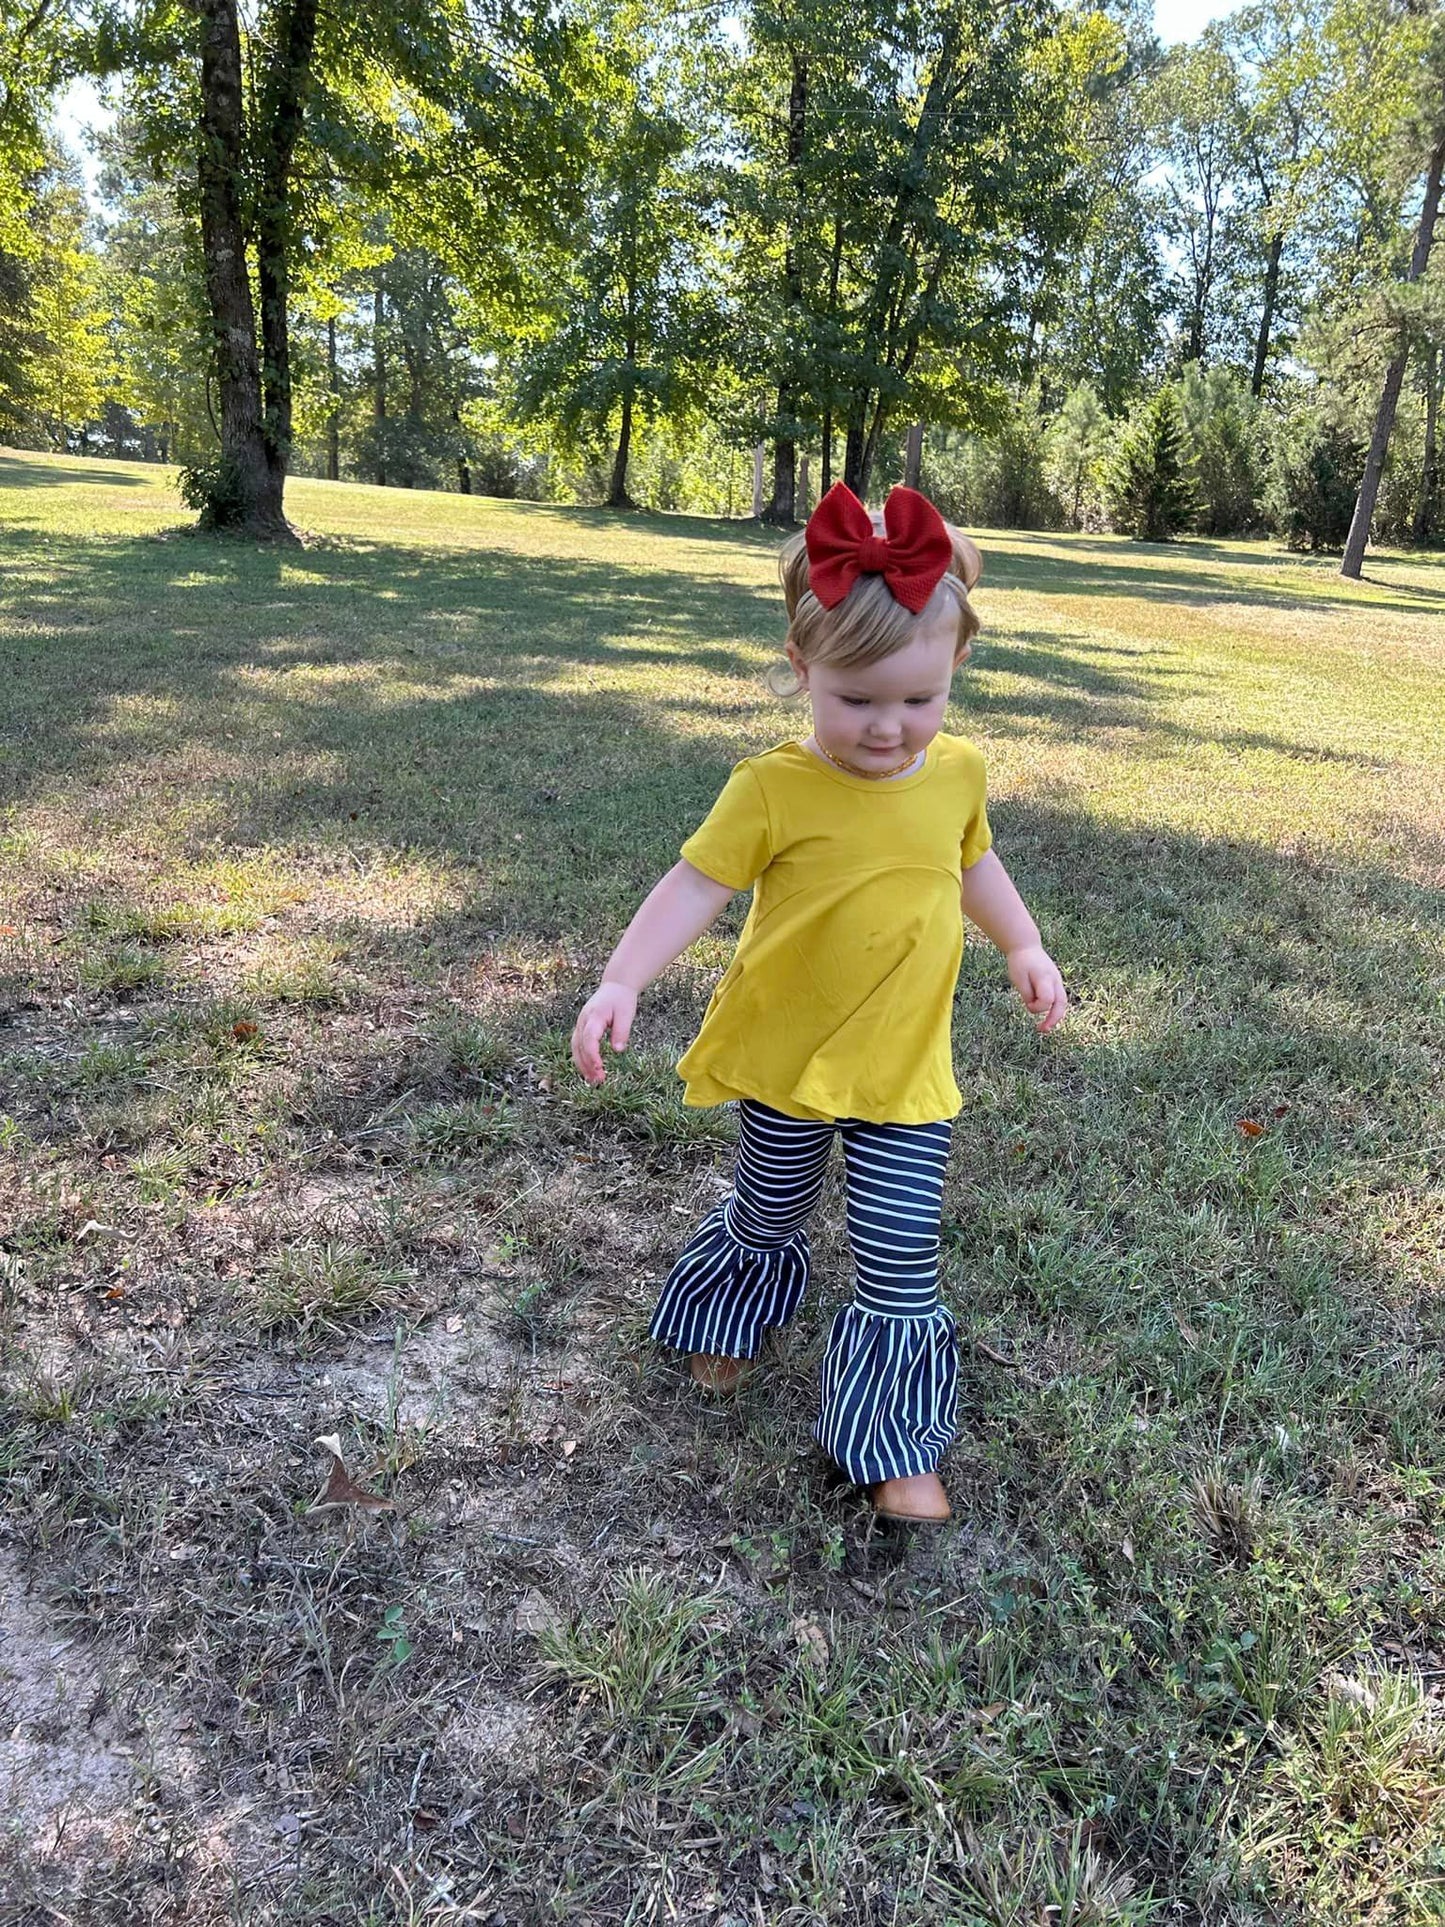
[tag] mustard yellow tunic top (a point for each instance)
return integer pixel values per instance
(838, 1002)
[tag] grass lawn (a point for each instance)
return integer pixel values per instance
(306, 861)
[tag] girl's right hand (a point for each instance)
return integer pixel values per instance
(610, 1008)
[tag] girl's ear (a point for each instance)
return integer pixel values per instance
(800, 668)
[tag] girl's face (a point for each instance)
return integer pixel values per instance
(875, 716)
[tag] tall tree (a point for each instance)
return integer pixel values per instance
(1103, 310)
(1200, 130)
(910, 176)
(153, 273)
(424, 103)
(69, 363)
(1432, 127)
(632, 327)
(1273, 48)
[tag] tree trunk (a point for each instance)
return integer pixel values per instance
(1266, 319)
(333, 388)
(617, 496)
(870, 448)
(464, 467)
(1423, 521)
(378, 391)
(256, 507)
(1359, 535)
(802, 502)
(283, 108)
(853, 456)
(827, 481)
(913, 456)
(783, 507)
(880, 313)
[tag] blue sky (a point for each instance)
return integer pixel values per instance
(1185, 19)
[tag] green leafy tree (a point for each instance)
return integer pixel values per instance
(1199, 124)
(899, 176)
(1075, 451)
(68, 359)
(1314, 479)
(454, 115)
(632, 328)
(35, 43)
(1102, 309)
(1429, 141)
(419, 437)
(1151, 496)
(1221, 438)
(154, 276)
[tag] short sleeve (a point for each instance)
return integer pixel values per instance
(733, 844)
(977, 836)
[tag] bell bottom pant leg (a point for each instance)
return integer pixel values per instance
(889, 1404)
(746, 1266)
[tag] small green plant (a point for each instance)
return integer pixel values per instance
(309, 977)
(311, 1286)
(214, 490)
(160, 1173)
(393, 1635)
(451, 1131)
(472, 1050)
(651, 1663)
(121, 972)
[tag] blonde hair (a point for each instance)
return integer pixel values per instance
(868, 624)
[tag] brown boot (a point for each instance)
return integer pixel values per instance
(920, 1499)
(720, 1376)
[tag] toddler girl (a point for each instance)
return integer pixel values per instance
(860, 844)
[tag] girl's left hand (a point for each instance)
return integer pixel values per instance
(1035, 976)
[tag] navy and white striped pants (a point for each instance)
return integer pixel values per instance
(889, 1395)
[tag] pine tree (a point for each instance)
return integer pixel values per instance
(1151, 493)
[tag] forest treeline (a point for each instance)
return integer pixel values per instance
(1020, 253)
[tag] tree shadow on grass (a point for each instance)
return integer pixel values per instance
(458, 640)
(456, 739)
(17, 472)
(1084, 572)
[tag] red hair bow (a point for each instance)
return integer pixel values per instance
(912, 556)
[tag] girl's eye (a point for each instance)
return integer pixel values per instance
(856, 702)
(919, 702)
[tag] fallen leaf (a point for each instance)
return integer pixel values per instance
(812, 1644)
(455, 1324)
(1186, 1330)
(536, 1614)
(569, 1446)
(1281, 1110)
(116, 1291)
(91, 1228)
(1126, 1546)
(1249, 1127)
(991, 1712)
(341, 1488)
(243, 1032)
(516, 1826)
(8, 930)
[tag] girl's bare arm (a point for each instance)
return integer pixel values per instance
(674, 914)
(991, 901)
